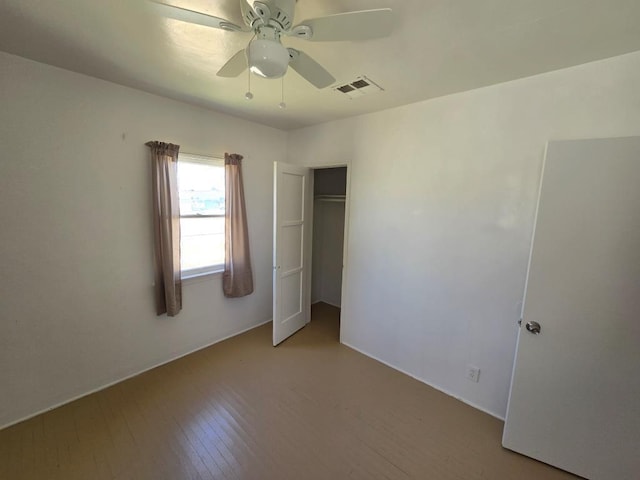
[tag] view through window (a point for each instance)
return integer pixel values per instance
(201, 187)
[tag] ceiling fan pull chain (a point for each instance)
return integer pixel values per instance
(248, 95)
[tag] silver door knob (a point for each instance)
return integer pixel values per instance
(533, 327)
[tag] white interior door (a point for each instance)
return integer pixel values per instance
(575, 393)
(291, 249)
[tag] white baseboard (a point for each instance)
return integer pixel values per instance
(422, 380)
(97, 389)
(146, 369)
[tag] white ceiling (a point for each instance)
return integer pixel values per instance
(437, 47)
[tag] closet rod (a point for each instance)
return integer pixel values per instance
(330, 198)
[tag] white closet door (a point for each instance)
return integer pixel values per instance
(291, 249)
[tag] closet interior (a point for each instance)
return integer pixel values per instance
(330, 188)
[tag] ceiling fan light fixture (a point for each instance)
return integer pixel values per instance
(267, 58)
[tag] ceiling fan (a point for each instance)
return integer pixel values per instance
(269, 20)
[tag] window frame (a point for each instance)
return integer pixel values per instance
(210, 160)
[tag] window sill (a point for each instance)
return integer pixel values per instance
(188, 278)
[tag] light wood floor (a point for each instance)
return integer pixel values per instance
(309, 409)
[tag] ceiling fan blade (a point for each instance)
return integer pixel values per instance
(309, 69)
(350, 26)
(190, 16)
(234, 66)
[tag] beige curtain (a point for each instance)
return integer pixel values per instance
(237, 280)
(166, 227)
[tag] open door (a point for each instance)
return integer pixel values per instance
(291, 249)
(575, 393)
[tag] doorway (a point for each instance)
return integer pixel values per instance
(329, 202)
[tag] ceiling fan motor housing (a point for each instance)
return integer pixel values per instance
(276, 13)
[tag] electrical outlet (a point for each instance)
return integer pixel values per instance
(473, 373)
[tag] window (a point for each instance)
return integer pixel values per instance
(201, 190)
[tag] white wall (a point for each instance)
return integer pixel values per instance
(77, 308)
(441, 214)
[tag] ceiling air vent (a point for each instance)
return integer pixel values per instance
(359, 87)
